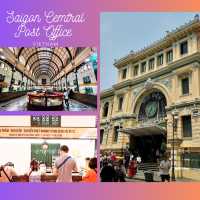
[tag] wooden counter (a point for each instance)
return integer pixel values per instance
(88, 99)
(44, 178)
(5, 96)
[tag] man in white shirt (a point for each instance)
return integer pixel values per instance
(64, 166)
(165, 166)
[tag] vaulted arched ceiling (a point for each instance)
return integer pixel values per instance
(49, 61)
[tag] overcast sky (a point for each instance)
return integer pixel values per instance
(122, 32)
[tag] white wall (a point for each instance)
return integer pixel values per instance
(18, 151)
(15, 120)
(78, 121)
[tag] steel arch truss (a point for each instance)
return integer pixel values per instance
(48, 59)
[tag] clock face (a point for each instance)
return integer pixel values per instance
(151, 109)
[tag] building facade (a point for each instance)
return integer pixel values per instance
(83, 78)
(20, 69)
(157, 99)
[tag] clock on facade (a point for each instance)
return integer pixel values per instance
(151, 109)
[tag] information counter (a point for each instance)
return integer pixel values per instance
(45, 178)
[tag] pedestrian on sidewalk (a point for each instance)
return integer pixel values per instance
(138, 159)
(108, 173)
(120, 172)
(165, 166)
(126, 158)
(132, 169)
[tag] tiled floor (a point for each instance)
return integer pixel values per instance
(19, 104)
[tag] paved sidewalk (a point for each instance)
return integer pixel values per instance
(177, 180)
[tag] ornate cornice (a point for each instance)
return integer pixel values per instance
(190, 59)
(192, 103)
(107, 93)
(116, 118)
(163, 43)
(124, 116)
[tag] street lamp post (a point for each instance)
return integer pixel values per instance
(119, 131)
(76, 76)
(61, 84)
(174, 129)
(12, 79)
(66, 80)
(27, 83)
(107, 128)
(22, 84)
(173, 167)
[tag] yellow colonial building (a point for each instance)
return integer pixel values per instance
(156, 100)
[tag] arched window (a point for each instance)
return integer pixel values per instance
(152, 107)
(101, 135)
(105, 109)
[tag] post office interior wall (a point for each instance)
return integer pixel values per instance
(18, 151)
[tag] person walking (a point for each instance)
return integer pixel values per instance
(64, 166)
(66, 97)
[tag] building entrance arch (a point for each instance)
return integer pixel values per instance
(148, 138)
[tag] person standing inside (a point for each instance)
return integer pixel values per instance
(34, 173)
(165, 166)
(66, 97)
(64, 166)
(91, 175)
(7, 171)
